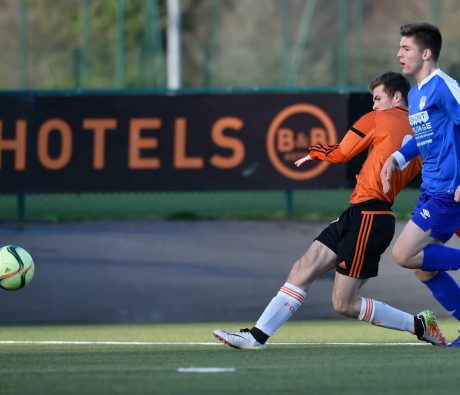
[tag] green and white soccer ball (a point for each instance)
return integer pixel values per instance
(16, 268)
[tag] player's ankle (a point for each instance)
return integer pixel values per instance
(260, 336)
(418, 327)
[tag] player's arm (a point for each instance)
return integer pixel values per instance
(351, 145)
(398, 159)
(335, 153)
(356, 140)
(406, 153)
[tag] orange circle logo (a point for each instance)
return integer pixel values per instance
(285, 144)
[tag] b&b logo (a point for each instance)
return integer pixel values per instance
(290, 134)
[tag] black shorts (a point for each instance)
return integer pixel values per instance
(359, 237)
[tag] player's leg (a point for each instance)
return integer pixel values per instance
(408, 249)
(435, 219)
(320, 257)
(424, 276)
(372, 231)
(345, 296)
(444, 289)
(317, 260)
(347, 302)
(418, 249)
(420, 246)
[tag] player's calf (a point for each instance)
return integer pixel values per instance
(345, 308)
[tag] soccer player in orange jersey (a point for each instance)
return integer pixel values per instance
(354, 242)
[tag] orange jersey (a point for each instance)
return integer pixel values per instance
(383, 133)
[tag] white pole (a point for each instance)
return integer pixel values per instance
(173, 45)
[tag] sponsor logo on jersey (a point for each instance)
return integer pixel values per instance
(422, 103)
(419, 117)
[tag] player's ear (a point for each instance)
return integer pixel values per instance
(397, 98)
(426, 54)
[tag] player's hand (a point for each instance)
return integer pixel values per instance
(385, 175)
(301, 161)
(457, 194)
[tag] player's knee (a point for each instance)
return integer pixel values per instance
(401, 257)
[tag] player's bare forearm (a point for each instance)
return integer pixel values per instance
(385, 175)
(457, 194)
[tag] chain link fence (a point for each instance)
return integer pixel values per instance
(108, 44)
(311, 204)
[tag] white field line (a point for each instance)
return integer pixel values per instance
(165, 343)
(206, 370)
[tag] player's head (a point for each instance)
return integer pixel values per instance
(389, 90)
(420, 43)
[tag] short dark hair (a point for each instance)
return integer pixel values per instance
(392, 82)
(426, 36)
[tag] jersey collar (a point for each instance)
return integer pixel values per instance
(427, 79)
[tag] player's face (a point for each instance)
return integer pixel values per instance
(381, 99)
(410, 57)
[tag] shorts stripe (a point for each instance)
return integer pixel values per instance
(388, 212)
(363, 238)
(292, 294)
(359, 245)
(366, 240)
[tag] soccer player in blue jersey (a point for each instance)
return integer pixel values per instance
(434, 114)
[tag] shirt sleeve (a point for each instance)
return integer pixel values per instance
(406, 153)
(448, 99)
(355, 141)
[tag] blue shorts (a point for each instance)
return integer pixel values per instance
(440, 213)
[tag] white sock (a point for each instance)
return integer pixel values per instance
(281, 308)
(380, 314)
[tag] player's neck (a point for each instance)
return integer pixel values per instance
(427, 69)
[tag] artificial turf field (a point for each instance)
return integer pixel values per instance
(317, 357)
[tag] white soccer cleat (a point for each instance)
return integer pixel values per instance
(241, 339)
(431, 331)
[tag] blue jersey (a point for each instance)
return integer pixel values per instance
(434, 114)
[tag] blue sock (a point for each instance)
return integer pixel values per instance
(446, 291)
(438, 257)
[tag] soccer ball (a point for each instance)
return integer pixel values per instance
(16, 268)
